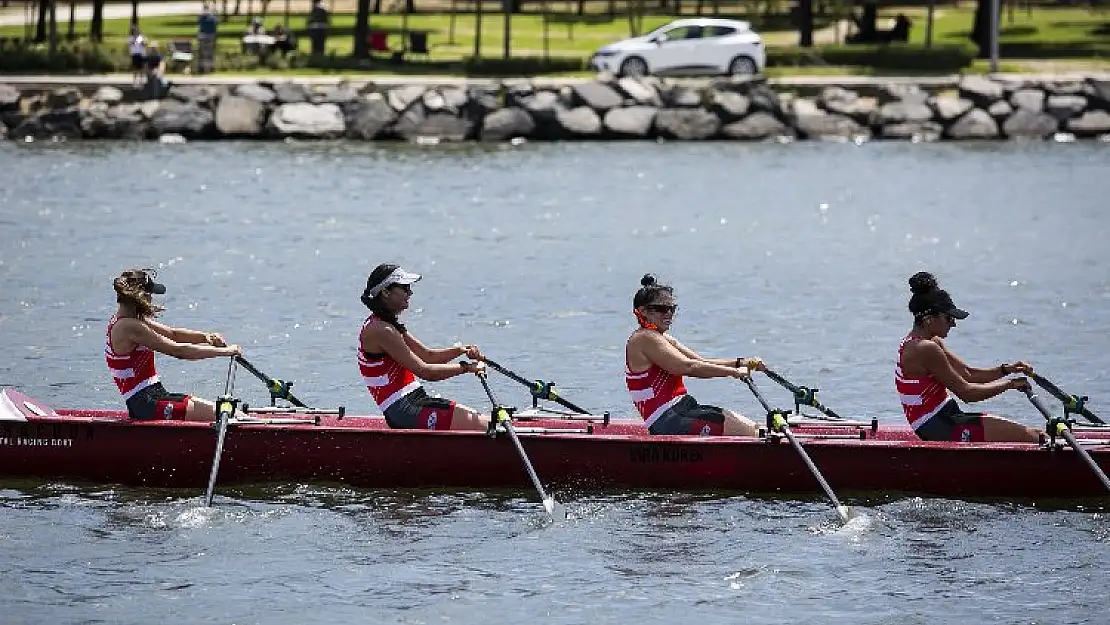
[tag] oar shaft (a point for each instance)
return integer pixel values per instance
(224, 416)
(532, 384)
(812, 467)
(798, 392)
(1070, 438)
(527, 463)
(270, 383)
(1065, 398)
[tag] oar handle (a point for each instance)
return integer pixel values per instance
(538, 388)
(805, 396)
(1071, 402)
(277, 388)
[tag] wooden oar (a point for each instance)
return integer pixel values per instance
(538, 388)
(778, 423)
(225, 409)
(803, 396)
(1072, 403)
(1059, 426)
(502, 416)
(279, 389)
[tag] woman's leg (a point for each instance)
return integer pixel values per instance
(997, 429)
(739, 425)
(464, 418)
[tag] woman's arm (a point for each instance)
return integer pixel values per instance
(393, 343)
(975, 374)
(749, 363)
(935, 360)
(666, 355)
(433, 356)
(141, 333)
(185, 335)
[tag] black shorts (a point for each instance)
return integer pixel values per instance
(689, 417)
(138, 61)
(419, 411)
(952, 424)
(155, 402)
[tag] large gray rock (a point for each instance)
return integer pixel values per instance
(255, 92)
(437, 126)
(687, 124)
(9, 98)
(976, 124)
(902, 112)
(763, 98)
(598, 96)
(187, 119)
(292, 92)
(342, 94)
(507, 123)
(370, 118)
(201, 94)
(449, 101)
(1066, 87)
(542, 105)
(401, 98)
(62, 123)
(480, 102)
(1064, 107)
(1090, 124)
(1028, 99)
(918, 131)
(1098, 91)
(633, 122)
(641, 90)
(108, 95)
(981, 91)
(821, 124)
(240, 116)
(729, 106)
(63, 97)
(1029, 124)
(898, 92)
(1000, 110)
(580, 122)
(949, 109)
(116, 122)
(306, 121)
(759, 125)
(680, 96)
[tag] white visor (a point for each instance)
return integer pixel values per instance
(399, 276)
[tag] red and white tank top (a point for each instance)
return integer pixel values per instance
(921, 397)
(387, 380)
(653, 391)
(133, 371)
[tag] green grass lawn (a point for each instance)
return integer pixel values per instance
(1041, 28)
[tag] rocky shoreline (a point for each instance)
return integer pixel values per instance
(606, 109)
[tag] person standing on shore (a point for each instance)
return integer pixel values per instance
(207, 27)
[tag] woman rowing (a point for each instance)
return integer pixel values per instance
(134, 336)
(391, 359)
(656, 361)
(928, 374)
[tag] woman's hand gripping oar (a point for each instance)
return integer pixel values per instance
(538, 388)
(502, 416)
(279, 389)
(1073, 404)
(1060, 426)
(777, 419)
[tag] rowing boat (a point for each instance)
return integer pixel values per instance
(573, 454)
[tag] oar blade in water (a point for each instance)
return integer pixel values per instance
(844, 512)
(555, 510)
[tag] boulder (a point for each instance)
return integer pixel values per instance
(1098, 92)
(1000, 110)
(370, 118)
(1029, 124)
(438, 126)
(634, 122)
(254, 92)
(480, 102)
(10, 98)
(113, 123)
(902, 112)
(292, 92)
(187, 119)
(949, 109)
(759, 125)
(981, 91)
(729, 106)
(401, 98)
(507, 123)
(1064, 107)
(763, 98)
(342, 94)
(917, 131)
(1090, 124)
(201, 94)
(680, 96)
(64, 123)
(306, 121)
(687, 124)
(976, 124)
(579, 122)
(1028, 99)
(63, 97)
(542, 106)
(641, 90)
(822, 124)
(108, 95)
(897, 92)
(598, 96)
(240, 116)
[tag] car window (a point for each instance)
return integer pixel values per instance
(683, 32)
(719, 31)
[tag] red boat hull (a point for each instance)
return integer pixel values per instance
(105, 446)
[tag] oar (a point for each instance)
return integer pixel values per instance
(803, 396)
(279, 389)
(1059, 426)
(555, 510)
(778, 422)
(1072, 403)
(225, 408)
(538, 388)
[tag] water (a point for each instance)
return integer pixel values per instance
(797, 253)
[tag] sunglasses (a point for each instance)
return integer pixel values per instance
(662, 309)
(404, 287)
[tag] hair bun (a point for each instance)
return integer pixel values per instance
(648, 280)
(923, 282)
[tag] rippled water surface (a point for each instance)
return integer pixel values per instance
(795, 253)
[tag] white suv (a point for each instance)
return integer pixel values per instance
(687, 46)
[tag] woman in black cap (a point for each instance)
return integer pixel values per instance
(391, 359)
(655, 363)
(133, 337)
(928, 374)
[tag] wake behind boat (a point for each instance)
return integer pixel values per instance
(575, 453)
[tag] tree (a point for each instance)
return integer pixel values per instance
(804, 17)
(362, 29)
(981, 29)
(96, 26)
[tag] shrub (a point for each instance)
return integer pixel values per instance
(19, 57)
(895, 56)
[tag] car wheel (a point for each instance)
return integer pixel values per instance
(742, 66)
(634, 66)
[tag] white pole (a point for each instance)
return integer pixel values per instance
(995, 10)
